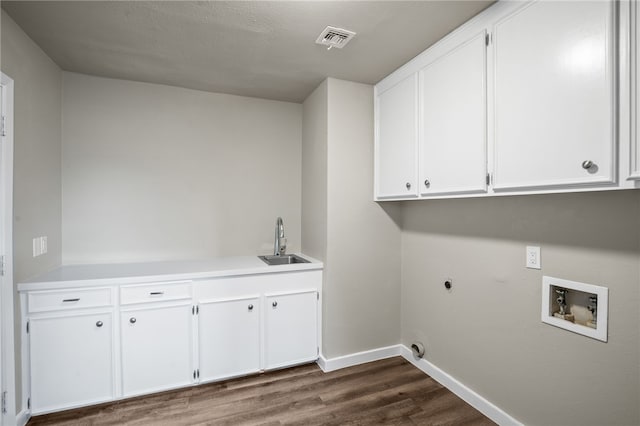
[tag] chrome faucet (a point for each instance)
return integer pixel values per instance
(280, 242)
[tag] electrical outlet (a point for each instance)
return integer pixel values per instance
(533, 257)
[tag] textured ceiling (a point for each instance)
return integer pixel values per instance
(263, 49)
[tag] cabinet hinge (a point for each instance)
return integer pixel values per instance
(318, 350)
(27, 327)
(3, 126)
(4, 402)
(317, 295)
(29, 403)
(488, 178)
(2, 265)
(487, 39)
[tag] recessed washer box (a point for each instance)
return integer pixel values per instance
(581, 302)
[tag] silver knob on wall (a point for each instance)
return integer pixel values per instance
(587, 164)
(427, 183)
(132, 320)
(99, 324)
(408, 185)
(250, 307)
(274, 304)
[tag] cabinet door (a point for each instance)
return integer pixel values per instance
(453, 157)
(554, 95)
(396, 140)
(156, 349)
(71, 361)
(291, 329)
(634, 166)
(229, 338)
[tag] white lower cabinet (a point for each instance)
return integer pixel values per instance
(156, 344)
(86, 348)
(291, 328)
(228, 337)
(71, 360)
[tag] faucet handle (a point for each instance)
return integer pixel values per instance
(283, 244)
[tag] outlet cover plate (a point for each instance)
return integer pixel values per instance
(533, 257)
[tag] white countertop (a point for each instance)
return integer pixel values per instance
(128, 273)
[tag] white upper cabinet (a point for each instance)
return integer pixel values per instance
(397, 140)
(634, 166)
(554, 98)
(527, 97)
(453, 155)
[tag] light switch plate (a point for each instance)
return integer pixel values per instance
(533, 257)
(37, 249)
(39, 246)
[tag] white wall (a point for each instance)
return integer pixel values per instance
(37, 141)
(153, 172)
(359, 242)
(487, 331)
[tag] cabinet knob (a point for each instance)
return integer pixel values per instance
(132, 320)
(99, 324)
(587, 164)
(274, 304)
(427, 183)
(408, 185)
(250, 307)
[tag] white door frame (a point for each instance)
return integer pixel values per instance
(7, 350)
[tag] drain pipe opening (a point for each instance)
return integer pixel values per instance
(418, 349)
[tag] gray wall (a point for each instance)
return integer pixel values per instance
(37, 185)
(154, 172)
(314, 173)
(487, 332)
(361, 305)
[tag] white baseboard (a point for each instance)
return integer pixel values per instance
(358, 358)
(467, 394)
(22, 418)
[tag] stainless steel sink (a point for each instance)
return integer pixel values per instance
(285, 259)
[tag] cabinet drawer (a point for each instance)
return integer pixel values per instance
(41, 301)
(156, 292)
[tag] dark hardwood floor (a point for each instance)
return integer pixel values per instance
(390, 391)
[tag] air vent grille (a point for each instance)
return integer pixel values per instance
(335, 37)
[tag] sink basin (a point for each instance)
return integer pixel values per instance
(286, 259)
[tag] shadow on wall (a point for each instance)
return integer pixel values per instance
(394, 211)
(605, 220)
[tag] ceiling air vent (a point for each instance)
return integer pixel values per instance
(335, 37)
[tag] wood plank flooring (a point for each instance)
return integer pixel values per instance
(391, 392)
